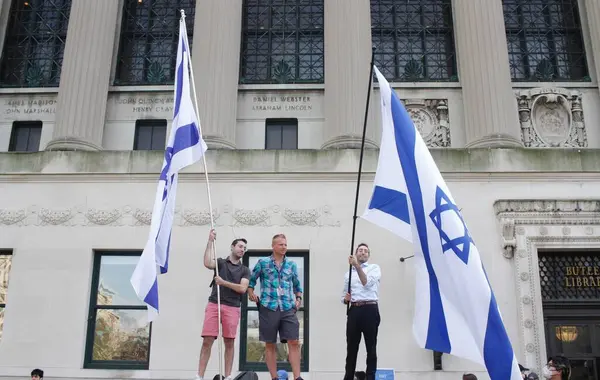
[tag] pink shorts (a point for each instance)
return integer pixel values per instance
(230, 316)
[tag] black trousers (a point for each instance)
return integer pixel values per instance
(362, 320)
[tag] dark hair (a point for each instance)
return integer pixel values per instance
(363, 245)
(235, 241)
(562, 364)
(37, 372)
(469, 376)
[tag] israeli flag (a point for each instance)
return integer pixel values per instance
(455, 308)
(184, 147)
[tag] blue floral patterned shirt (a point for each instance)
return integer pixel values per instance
(278, 285)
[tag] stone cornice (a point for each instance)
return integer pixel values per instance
(542, 212)
(304, 162)
(526, 208)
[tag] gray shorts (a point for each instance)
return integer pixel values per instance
(271, 322)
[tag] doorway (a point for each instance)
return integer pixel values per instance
(570, 285)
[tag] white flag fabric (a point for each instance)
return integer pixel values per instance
(184, 147)
(455, 308)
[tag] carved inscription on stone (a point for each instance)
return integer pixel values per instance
(124, 106)
(551, 117)
(28, 107)
(285, 103)
(280, 104)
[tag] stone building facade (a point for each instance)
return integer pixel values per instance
(505, 93)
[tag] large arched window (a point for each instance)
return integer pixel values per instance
(149, 36)
(282, 41)
(544, 40)
(414, 40)
(35, 41)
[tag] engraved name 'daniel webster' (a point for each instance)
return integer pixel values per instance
(281, 103)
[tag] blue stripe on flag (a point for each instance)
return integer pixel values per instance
(405, 133)
(186, 136)
(152, 296)
(391, 202)
(165, 269)
(179, 87)
(497, 351)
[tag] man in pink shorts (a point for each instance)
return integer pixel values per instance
(233, 279)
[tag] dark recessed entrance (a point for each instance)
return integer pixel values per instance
(570, 285)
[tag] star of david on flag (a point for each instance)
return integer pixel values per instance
(455, 308)
(445, 209)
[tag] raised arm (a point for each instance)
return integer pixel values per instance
(209, 261)
(373, 276)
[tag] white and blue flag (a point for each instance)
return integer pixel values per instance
(184, 147)
(455, 308)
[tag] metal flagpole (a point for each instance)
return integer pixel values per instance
(360, 162)
(210, 209)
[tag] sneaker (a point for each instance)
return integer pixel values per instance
(198, 377)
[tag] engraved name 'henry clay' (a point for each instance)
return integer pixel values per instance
(147, 104)
(582, 277)
(281, 103)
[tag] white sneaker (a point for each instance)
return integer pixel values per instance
(198, 377)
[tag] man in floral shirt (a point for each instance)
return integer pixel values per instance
(280, 298)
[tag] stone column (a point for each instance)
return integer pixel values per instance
(592, 8)
(216, 60)
(85, 75)
(347, 60)
(490, 106)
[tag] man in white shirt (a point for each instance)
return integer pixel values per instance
(363, 316)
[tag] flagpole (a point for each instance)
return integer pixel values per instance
(360, 162)
(210, 208)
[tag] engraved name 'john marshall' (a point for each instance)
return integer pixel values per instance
(29, 106)
(281, 103)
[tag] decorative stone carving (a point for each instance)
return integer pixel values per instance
(545, 212)
(199, 218)
(142, 217)
(252, 217)
(551, 117)
(10, 217)
(135, 217)
(301, 217)
(54, 217)
(530, 347)
(104, 217)
(541, 225)
(431, 120)
(509, 242)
